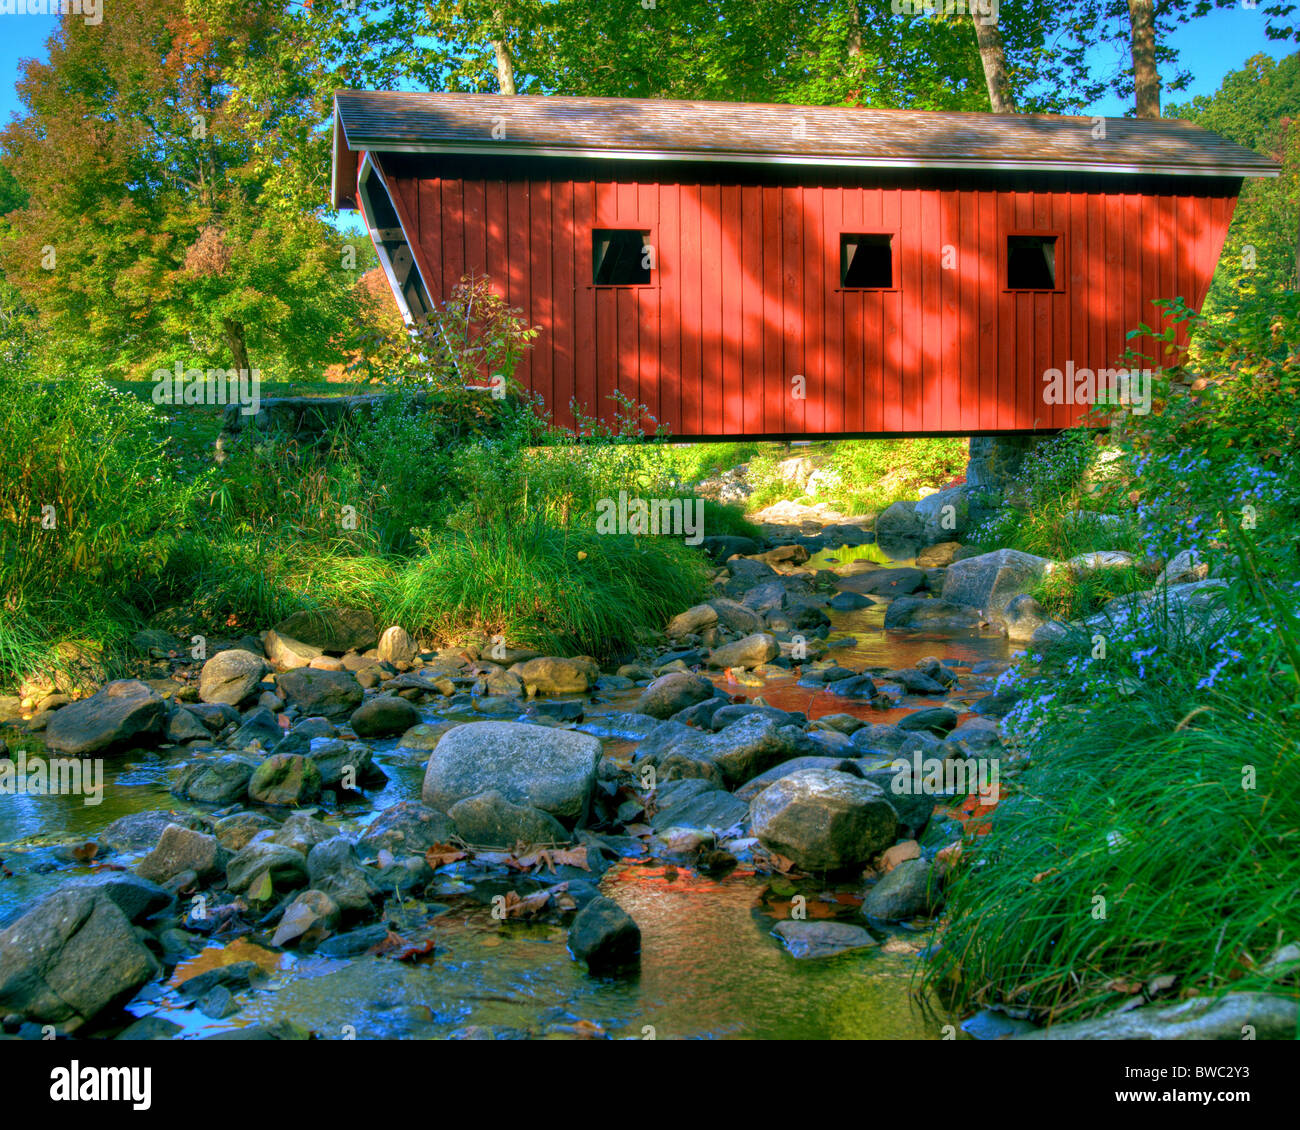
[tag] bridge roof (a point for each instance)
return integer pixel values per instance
(745, 133)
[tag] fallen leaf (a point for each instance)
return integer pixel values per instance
(441, 854)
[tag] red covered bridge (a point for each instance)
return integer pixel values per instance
(768, 271)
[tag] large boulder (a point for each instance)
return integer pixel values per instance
(396, 645)
(930, 615)
(989, 581)
(673, 692)
(119, 713)
(752, 651)
(231, 676)
(538, 766)
(71, 958)
(551, 675)
(407, 828)
(329, 694)
(335, 629)
(289, 654)
(899, 522)
(693, 802)
(945, 515)
(1273, 1017)
(824, 820)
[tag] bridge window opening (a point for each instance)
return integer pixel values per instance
(1031, 262)
(866, 261)
(620, 257)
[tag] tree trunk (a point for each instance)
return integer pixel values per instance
(1146, 80)
(855, 30)
(238, 347)
(994, 60)
(505, 63)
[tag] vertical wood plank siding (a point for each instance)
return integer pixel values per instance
(745, 294)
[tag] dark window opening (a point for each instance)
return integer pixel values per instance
(1031, 262)
(867, 261)
(620, 257)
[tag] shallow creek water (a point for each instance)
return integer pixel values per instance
(710, 967)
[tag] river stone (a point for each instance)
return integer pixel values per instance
(489, 820)
(552, 675)
(231, 676)
(287, 867)
(691, 621)
(989, 581)
(1202, 1018)
(185, 726)
(333, 867)
(752, 651)
(725, 715)
(236, 830)
(945, 514)
(426, 735)
(328, 694)
(696, 803)
(671, 693)
(259, 731)
(821, 939)
(898, 522)
(140, 831)
(824, 820)
(302, 832)
(216, 716)
(182, 849)
(311, 910)
(288, 780)
(751, 788)
(741, 751)
(735, 617)
(70, 958)
(287, 654)
(135, 897)
(334, 757)
(396, 645)
(902, 581)
(120, 712)
(604, 935)
(336, 629)
(218, 781)
(550, 769)
(929, 615)
(850, 601)
(937, 720)
(383, 716)
(407, 828)
(910, 889)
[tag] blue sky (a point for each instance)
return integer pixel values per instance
(1210, 47)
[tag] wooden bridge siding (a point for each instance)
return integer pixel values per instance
(747, 296)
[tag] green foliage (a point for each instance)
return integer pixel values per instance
(1066, 596)
(1258, 107)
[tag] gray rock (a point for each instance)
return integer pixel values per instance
(287, 867)
(1202, 1018)
(989, 581)
(724, 716)
(185, 726)
(489, 820)
(119, 713)
(288, 654)
(910, 889)
(327, 694)
(945, 515)
(217, 781)
(259, 731)
(383, 716)
(140, 831)
(695, 803)
(231, 676)
(670, 693)
(821, 939)
(937, 720)
(407, 828)
(302, 832)
(824, 820)
(741, 751)
(1024, 619)
(336, 629)
(336, 759)
(550, 769)
(333, 868)
(692, 621)
(397, 646)
(605, 936)
(899, 522)
(182, 849)
(850, 601)
(135, 897)
(71, 958)
(752, 651)
(552, 675)
(426, 735)
(929, 615)
(751, 788)
(735, 617)
(286, 780)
